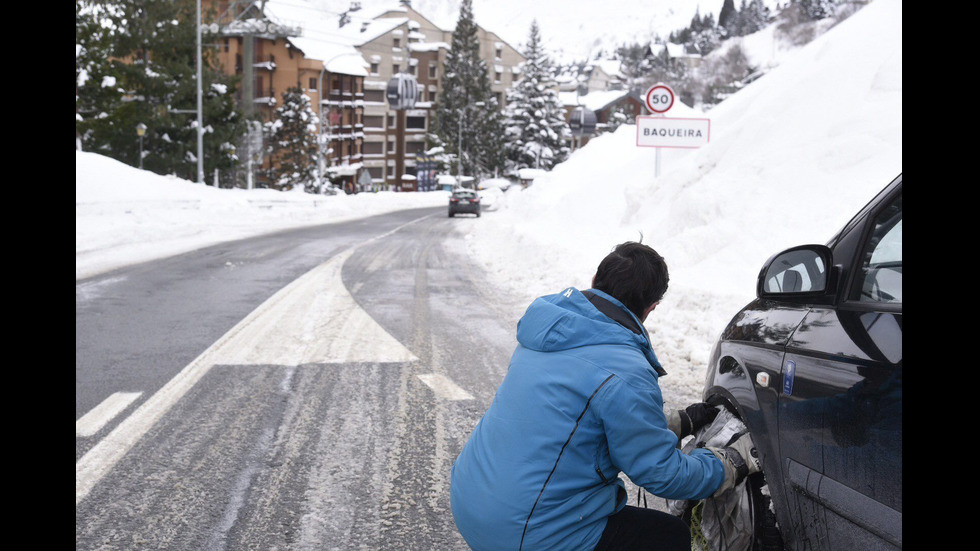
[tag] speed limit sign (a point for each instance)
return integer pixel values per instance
(659, 98)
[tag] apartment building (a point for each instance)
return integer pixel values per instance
(399, 39)
(344, 62)
(272, 55)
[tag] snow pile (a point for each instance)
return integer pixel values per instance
(124, 215)
(792, 157)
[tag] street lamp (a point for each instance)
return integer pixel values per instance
(200, 109)
(140, 131)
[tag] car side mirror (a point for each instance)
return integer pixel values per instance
(802, 273)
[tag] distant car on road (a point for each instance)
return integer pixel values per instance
(464, 200)
(813, 367)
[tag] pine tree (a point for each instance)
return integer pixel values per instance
(728, 18)
(147, 72)
(635, 65)
(754, 16)
(291, 143)
(535, 118)
(466, 102)
(817, 9)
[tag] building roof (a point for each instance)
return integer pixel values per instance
(323, 37)
(595, 101)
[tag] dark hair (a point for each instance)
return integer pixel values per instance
(633, 274)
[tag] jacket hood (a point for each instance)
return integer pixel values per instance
(569, 320)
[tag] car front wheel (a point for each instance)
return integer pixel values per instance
(741, 519)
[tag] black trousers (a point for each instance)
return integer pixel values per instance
(635, 528)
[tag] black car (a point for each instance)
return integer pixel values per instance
(813, 367)
(464, 200)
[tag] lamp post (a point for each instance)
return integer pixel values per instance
(200, 109)
(140, 131)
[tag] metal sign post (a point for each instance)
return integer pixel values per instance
(660, 131)
(659, 100)
(402, 93)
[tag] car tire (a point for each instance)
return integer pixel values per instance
(765, 536)
(451, 215)
(765, 530)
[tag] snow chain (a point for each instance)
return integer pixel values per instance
(698, 541)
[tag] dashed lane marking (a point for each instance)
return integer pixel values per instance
(444, 387)
(93, 421)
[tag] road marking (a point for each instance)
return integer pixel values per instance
(300, 324)
(93, 421)
(444, 387)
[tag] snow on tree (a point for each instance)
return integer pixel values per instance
(135, 63)
(291, 143)
(536, 128)
(753, 15)
(468, 120)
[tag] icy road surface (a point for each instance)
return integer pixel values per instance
(327, 418)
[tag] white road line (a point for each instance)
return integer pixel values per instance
(93, 421)
(297, 325)
(444, 387)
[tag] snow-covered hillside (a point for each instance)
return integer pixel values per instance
(792, 156)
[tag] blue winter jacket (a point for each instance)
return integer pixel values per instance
(580, 403)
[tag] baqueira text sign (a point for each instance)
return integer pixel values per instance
(672, 132)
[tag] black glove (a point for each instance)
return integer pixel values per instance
(701, 415)
(687, 421)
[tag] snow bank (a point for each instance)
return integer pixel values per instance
(124, 215)
(792, 157)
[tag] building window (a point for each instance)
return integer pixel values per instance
(374, 121)
(433, 71)
(312, 83)
(396, 42)
(374, 95)
(391, 171)
(373, 148)
(499, 53)
(432, 96)
(374, 68)
(497, 75)
(415, 123)
(411, 69)
(391, 145)
(391, 120)
(395, 69)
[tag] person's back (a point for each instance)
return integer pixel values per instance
(534, 459)
(580, 403)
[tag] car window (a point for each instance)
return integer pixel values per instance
(879, 278)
